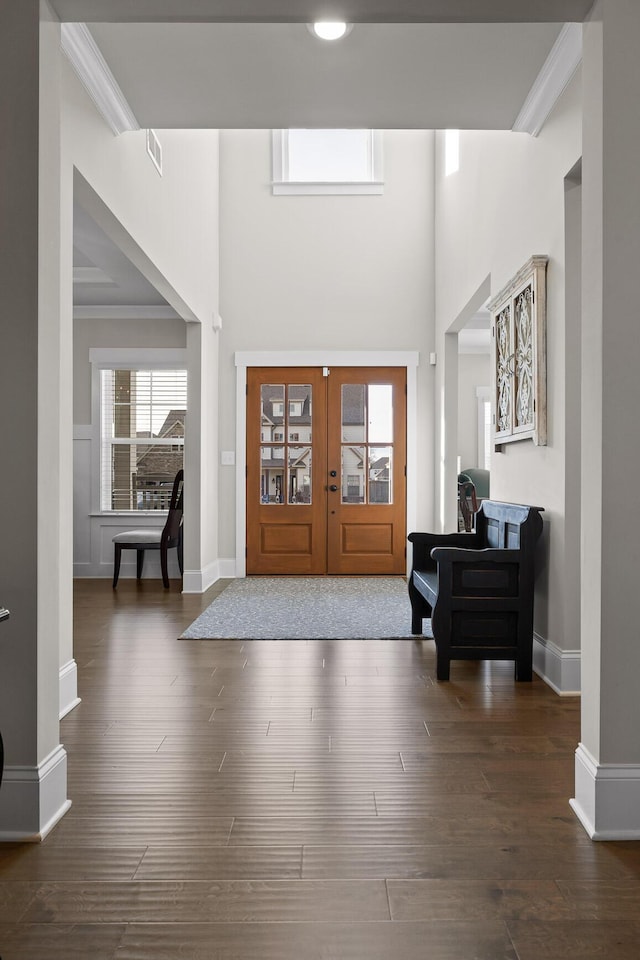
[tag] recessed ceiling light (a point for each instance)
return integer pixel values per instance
(330, 29)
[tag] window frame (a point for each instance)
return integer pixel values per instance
(282, 186)
(107, 358)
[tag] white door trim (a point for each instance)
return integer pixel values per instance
(319, 358)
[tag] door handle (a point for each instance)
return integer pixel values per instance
(333, 473)
(333, 488)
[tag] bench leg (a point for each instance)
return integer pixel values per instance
(524, 670)
(443, 665)
(139, 563)
(419, 610)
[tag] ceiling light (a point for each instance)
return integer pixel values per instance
(330, 29)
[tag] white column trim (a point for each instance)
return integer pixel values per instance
(68, 688)
(321, 358)
(34, 799)
(560, 669)
(607, 800)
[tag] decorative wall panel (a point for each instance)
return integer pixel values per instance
(518, 321)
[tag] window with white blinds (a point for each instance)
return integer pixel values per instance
(142, 427)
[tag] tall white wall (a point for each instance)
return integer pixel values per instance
(325, 273)
(168, 226)
(172, 218)
(505, 203)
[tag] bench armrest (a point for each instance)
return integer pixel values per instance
(424, 543)
(486, 555)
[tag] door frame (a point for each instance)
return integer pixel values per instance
(320, 358)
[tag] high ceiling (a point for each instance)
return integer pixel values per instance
(383, 76)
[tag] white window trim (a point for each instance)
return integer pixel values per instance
(122, 358)
(483, 395)
(282, 186)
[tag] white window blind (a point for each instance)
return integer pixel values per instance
(142, 420)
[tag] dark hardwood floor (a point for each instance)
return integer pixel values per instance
(309, 801)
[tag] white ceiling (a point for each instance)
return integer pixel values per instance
(382, 76)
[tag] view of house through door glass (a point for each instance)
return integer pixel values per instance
(326, 454)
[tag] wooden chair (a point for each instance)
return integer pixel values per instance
(150, 539)
(468, 503)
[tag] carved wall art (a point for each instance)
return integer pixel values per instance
(518, 326)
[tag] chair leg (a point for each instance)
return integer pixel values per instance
(139, 563)
(164, 566)
(116, 563)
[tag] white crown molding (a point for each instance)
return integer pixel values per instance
(557, 70)
(124, 312)
(93, 71)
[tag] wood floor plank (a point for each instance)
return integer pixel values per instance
(588, 940)
(522, 861)
(192, 901)
(477, 900)
(34, 862)
(220, 863)
(53, 941)
(317, 941)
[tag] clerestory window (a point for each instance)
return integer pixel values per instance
(335, 162)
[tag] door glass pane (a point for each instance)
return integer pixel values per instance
(353, 412)
(299, 412)
(299, 474)
(380, 410)
(380, 474)
(272, 412)
(272, 475)
(353, 483)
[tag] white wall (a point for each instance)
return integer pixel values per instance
(171, 218)
(473, 371)
(504, 204)
(325, 273)
(168, 226)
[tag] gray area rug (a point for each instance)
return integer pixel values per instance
(307, 608)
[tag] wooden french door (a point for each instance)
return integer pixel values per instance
(326, 455)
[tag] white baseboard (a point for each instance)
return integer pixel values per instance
(68, 688)
(607, 800)
(558, 668)
(197, 581)
(34, 799)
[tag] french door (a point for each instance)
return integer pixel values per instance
(326, 455)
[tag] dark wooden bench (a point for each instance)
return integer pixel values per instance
(478, 587)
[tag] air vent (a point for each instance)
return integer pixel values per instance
(154, 149)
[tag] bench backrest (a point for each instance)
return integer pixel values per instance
(511, 526)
